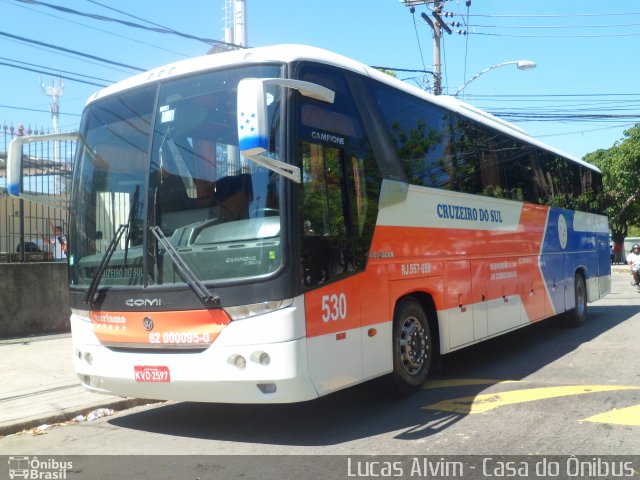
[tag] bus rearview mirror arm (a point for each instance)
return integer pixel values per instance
(253, 125)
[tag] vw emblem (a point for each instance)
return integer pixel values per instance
(147, 323)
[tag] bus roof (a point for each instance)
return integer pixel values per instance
(290, 53)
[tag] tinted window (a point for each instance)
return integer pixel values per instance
(340, 181)
(421, 135)
(442, 149)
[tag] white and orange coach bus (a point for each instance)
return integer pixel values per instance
(275, 224)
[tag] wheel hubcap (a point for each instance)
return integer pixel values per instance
(413, 345)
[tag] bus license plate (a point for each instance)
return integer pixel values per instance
(151, 374)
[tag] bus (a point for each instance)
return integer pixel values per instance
(274, 224)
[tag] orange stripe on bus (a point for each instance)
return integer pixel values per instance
(167, 328)
(458, 268)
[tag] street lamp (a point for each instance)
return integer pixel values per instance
(521, 64)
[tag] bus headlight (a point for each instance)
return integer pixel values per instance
(246, 311)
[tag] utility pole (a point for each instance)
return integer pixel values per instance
(234, 26)
(55, 92)
(240, 23)
(437, 65)
(235, 22)
(228, 21)
(437, 27)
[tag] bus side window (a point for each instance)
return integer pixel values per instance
(340, 183)
(421, 134)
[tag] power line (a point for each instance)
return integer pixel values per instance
(558, 26)
(51, 73)
(563, 116)
(68, 55)
(542, 95)
(37, 110)
(581, 132)
(55, 71)
(603, 35)
(415, 28)
(164, 30)
(402, 69)
(131, 39)
(137, 18)
(68, 50)
(559, 15)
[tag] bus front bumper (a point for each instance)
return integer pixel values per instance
(219, 374)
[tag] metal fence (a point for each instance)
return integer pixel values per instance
(27, 228)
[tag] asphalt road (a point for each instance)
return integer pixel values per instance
(543, 390)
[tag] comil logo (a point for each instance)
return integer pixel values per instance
(34, 468)
(143, 302)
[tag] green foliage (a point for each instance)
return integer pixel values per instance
(391, 73)
(620, 166)
(634, 231)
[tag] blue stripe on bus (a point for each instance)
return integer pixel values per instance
(558, 265)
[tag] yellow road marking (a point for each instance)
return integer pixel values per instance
(462, 382)
(491, 401)
(622, 416)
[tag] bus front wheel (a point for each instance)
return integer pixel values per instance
(411, 347)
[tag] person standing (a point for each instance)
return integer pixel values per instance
(617, 253)
(58, 242)
(633, 260)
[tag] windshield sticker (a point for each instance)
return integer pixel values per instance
(248, 260)
(328, 138)
(123, 272)
(167, 116)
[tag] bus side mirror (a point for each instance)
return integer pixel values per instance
(14, 165)
(253, 122)
(252, 117)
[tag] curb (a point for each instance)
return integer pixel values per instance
(68, 414)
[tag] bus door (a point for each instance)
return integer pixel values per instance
(338, 208)
(479, 298)
(458, 295)
(503, 295)
(333, 306)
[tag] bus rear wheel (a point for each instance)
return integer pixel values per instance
(411, 347)
(578, 315)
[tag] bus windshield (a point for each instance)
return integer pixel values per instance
(166, 155)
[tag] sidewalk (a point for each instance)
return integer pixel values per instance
(38, 385)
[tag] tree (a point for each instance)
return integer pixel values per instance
(620, 166)
(391, 73)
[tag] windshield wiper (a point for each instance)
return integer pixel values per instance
(133, 211)
(129, 227)
(208, 298)
(89, 297)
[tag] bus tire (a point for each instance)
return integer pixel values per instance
(578, 315)
(412, 344)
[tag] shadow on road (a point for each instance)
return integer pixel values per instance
(366, 411)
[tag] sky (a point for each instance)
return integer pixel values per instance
(585, 54)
